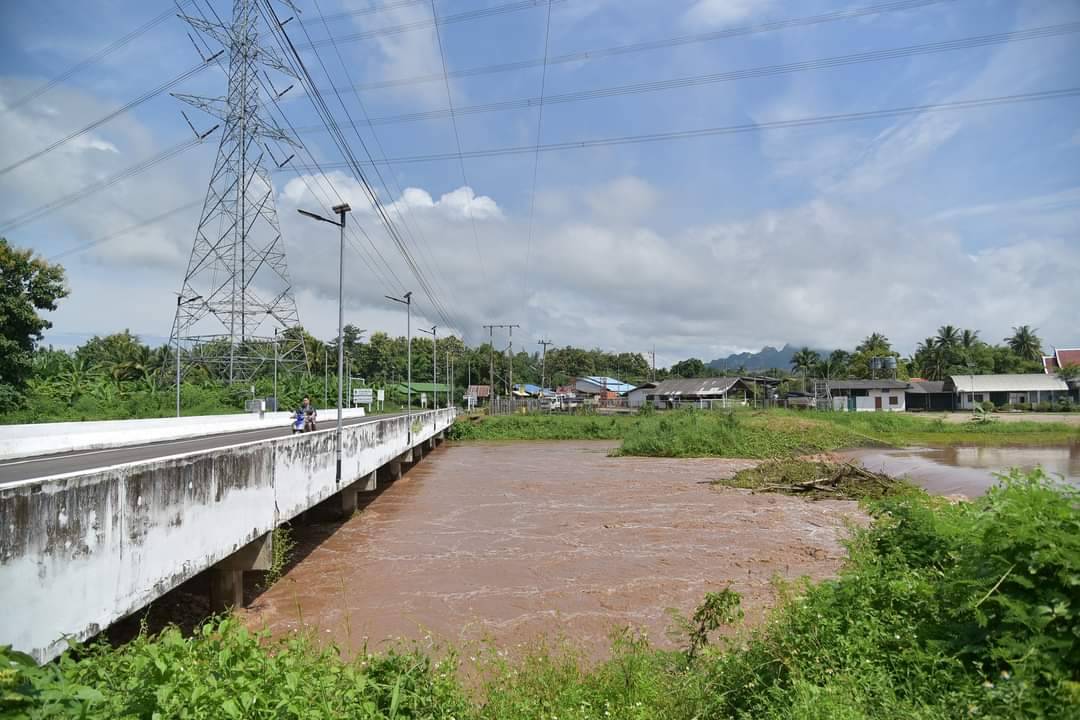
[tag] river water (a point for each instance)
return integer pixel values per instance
(511, 542)
(969, 471)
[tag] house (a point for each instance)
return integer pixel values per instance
(595, 386)
(928, 395)
(868, 395)
(699, 392)
(1006, 389)
(1060, 358)
(480, 392)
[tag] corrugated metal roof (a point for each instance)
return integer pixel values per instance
(1007, 383)
(422, 387)
(699, 387)
(923, 387)
(867, 384)
(480, 391)
(609, 383)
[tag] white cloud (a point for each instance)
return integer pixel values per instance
(723, 12)
(624, 199)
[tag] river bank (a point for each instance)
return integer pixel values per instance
(765, 434)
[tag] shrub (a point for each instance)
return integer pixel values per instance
(987, 406)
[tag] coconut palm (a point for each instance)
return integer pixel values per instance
(1025, 343)
(948, 337)
(803, 361)
(969, 339)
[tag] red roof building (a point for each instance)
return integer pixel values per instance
(1061, 358)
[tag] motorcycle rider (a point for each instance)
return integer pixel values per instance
(310, 414)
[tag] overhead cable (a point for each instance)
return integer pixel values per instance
(746, 128)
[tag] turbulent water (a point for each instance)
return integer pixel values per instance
(510, 542)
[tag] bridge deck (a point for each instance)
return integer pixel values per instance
(21, 470)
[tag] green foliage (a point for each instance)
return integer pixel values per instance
(541, 427)
(226, 671)
(743, 434)
(281, 547)
(28, 285)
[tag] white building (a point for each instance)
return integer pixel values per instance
(1006, 389)
(868, 395)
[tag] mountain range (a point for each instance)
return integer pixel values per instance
(765, 359)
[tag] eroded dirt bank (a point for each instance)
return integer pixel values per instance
(512, 541)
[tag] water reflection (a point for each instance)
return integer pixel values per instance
(969, 470)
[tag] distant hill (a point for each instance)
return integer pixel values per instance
(766, 358)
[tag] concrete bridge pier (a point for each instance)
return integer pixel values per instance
(227, 576)
(349, 497)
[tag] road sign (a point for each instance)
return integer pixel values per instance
(363, 396)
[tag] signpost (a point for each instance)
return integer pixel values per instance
(363, 396)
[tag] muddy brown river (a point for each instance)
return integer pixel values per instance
(512, 542)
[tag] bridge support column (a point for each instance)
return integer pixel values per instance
(227, 576)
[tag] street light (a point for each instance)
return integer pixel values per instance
(340, 210)
(406, 300)
(434, 365)
(180, 300)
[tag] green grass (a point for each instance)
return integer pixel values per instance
(941, 611)
(758, 434)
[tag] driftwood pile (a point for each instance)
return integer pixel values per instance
(817, 480)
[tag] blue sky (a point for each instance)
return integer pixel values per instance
(701, 247)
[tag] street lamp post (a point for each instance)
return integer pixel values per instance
(406, 300)
(275, 368)
(180, 300)
(434, 368)
(340, 210)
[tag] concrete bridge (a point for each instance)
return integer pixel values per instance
(83, 548)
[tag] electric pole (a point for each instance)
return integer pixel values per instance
(543, 362)
(491, 371)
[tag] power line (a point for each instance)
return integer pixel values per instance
(401, 216)
(42, 210)
(436, 21)
(536, 165)
(648, 45)
(119, 111)
(372, 10)
(457, 141)
(749, 127)
(323, 110)
(130, 228)
(95, 58)
(733, 75)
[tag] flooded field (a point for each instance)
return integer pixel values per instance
(968, 471)
(514, 541)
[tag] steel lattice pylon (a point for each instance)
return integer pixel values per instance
(237, 296)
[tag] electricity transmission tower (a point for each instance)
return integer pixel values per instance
(237, 292)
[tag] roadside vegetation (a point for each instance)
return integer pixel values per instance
(758, 434)
(941, 611)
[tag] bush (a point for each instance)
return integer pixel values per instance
(987, 406)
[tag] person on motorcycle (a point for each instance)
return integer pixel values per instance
(310, 414)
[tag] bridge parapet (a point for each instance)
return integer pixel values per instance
(80, 551)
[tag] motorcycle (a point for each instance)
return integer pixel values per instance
(303, 423)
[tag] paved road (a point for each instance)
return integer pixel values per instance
(12, 471)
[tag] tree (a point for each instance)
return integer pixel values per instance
(1069, 372)
(689, 368)
(28, 285)
(1025, 343)
(804, 361)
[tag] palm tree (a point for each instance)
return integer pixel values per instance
(1025, 343)
(948, 337)
(804, 361)
(969, 339)
(874, 343)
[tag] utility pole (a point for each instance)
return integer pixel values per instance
(654, 363)
(275, 368)
(491, 372)
(543, 362)
(449, 378)
(326, 377)
(340, 211)
(180, 301)
(491, 366)
(406, 300)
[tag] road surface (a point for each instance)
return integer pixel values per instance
(13, 471)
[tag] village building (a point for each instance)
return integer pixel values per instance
(1006, 389)
(929, 395)
(868, 395)
(698, 392)
(1060, 358)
